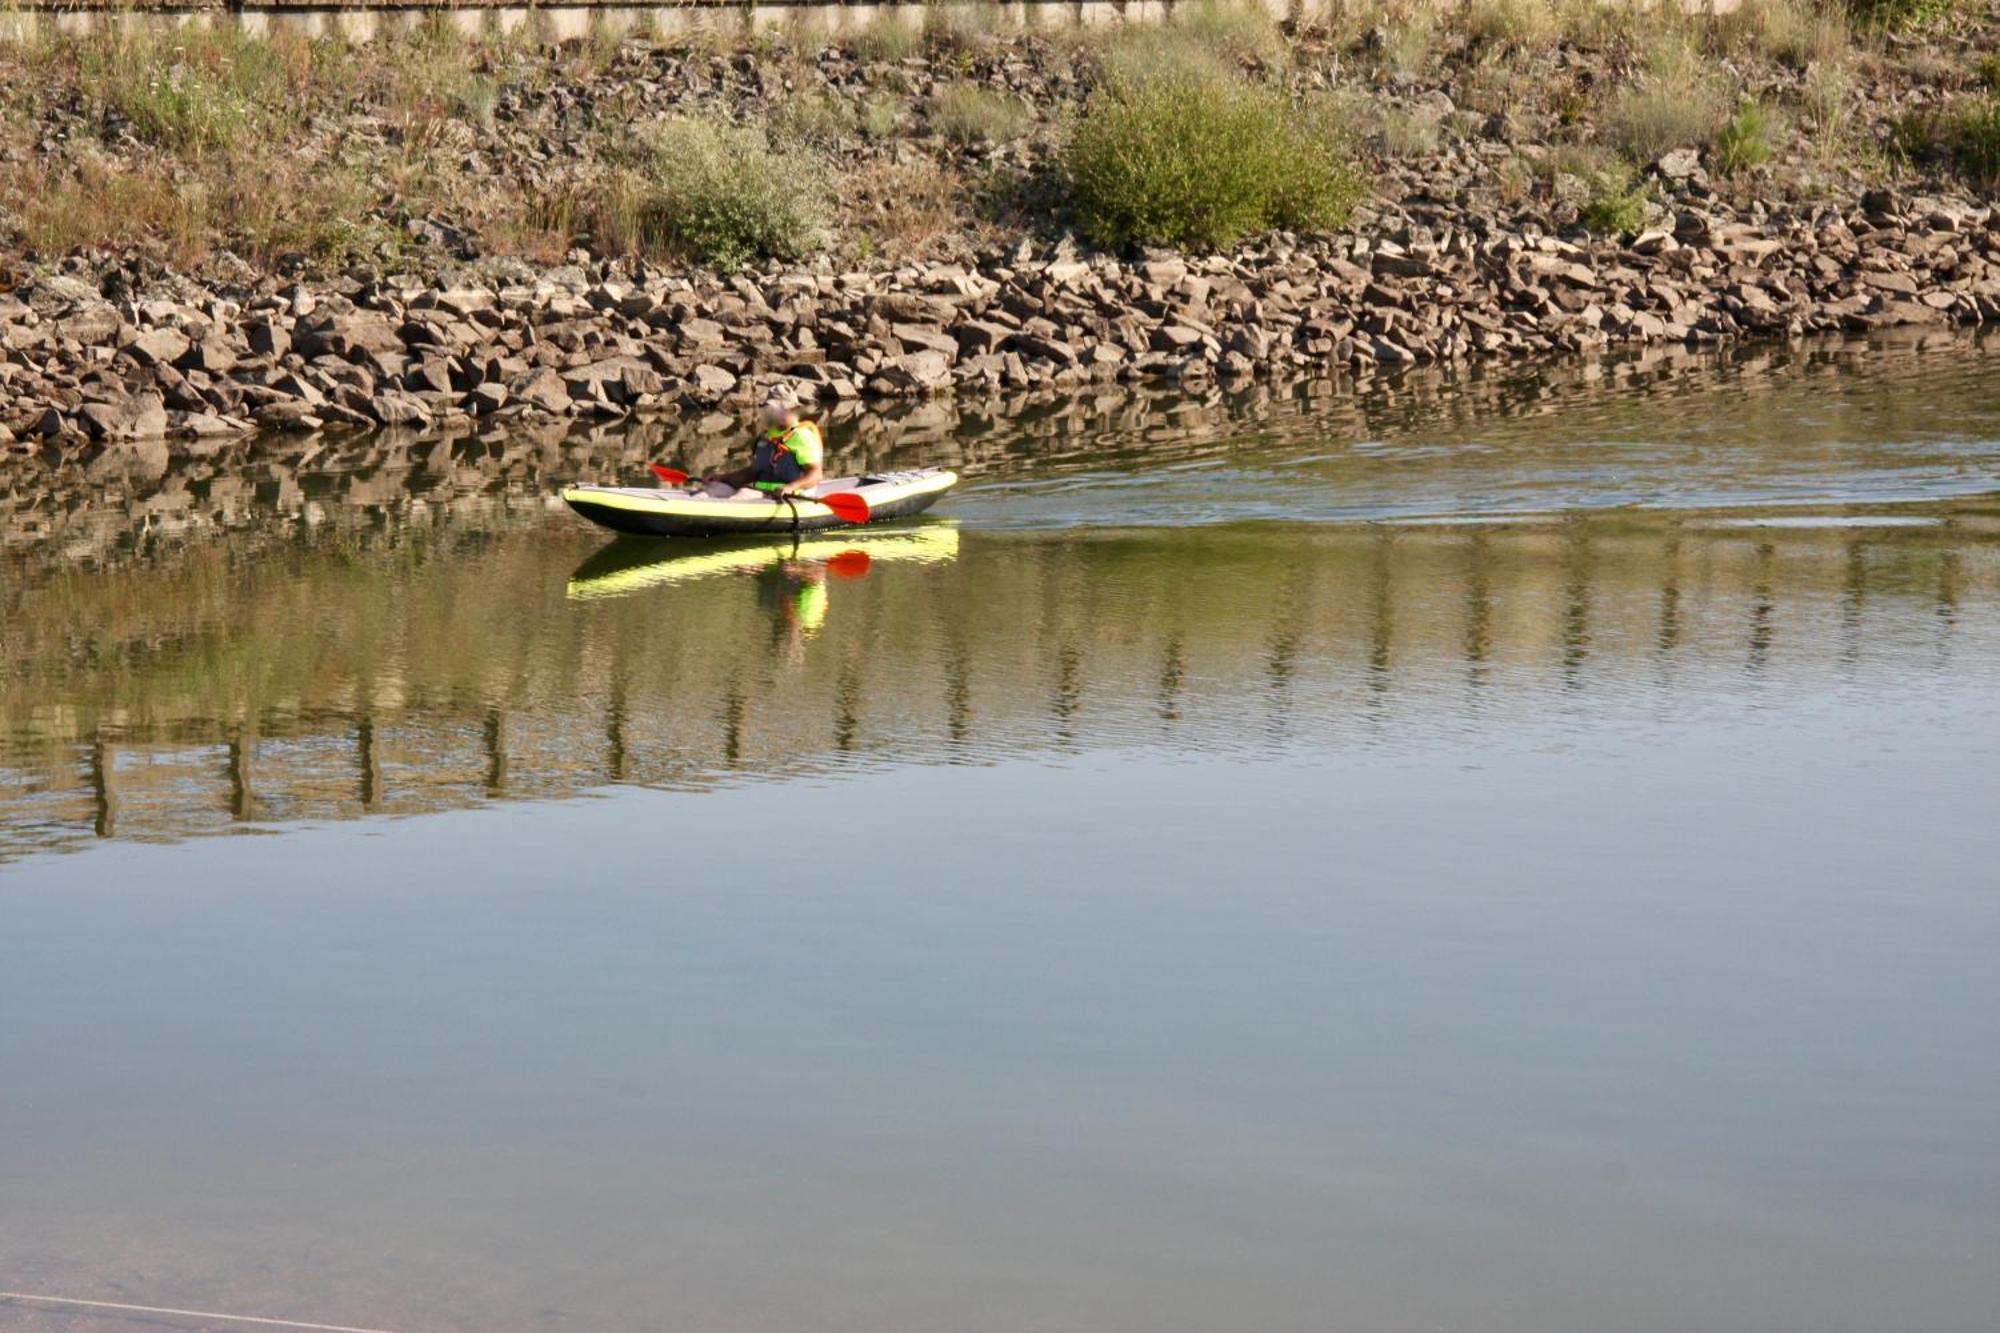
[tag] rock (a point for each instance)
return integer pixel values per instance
(925, 338)
(138, 417)
(157, 347)
(543, 389)
(291, 415)
(266, 338)
(711, 383)
(977, 337)
(701, 331)
(349, 335)
(1680, 166)
(1045, 348)
(396, 408)
(90, 325)
(486, 399)
(212, 356)
(913, 372)
(430, 375)
(202, 425)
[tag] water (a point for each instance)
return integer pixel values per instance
(1504, 852)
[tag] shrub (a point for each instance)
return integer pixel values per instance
(1989, 72)
(1964, 137)
(720, 192)
(965, 113)
(1616, 205)
(1193, 158)
(1976, 142)
(1898, 15)
(880, 116)
(1745, 141)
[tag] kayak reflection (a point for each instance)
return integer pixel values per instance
(626, 567)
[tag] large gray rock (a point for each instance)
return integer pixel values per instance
(352, 335)
(396, 408)
(143, 416)
(157, 347)
(543, 389)
(213, 355)
(926, 338)
(913, 373)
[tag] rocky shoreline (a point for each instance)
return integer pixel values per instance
(81, 362)
(1482, 155)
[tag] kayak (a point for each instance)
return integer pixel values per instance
(625, 567)
(648, 512)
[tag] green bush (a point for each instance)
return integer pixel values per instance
(1198, 158)
(1745, 141)
(965, 113)
(1616, 205)
(721, 193)
(879, 116)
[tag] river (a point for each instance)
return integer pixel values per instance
(1509, 851)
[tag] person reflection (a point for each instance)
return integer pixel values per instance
(794, 592)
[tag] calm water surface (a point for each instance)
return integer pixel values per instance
(1507, 853)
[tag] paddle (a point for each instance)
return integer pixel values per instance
(673, 476)
(844, 504)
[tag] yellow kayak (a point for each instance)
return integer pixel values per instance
(645, 512)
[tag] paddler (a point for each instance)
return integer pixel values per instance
(788, 457)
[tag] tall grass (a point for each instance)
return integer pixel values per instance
(1678, 100)
(967, 114)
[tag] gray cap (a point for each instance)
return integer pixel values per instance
(780, 399)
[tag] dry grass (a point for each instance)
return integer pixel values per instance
(904, 206)
(1798, 33)
(965, 113)
(1679, 99)
(1526, 24)
(1408, 133)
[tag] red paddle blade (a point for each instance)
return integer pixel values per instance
(847, 505)
(849, 565)
(673, 476)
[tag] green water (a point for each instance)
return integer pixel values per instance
(1510, 852)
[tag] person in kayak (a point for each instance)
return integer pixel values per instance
(789, 456)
